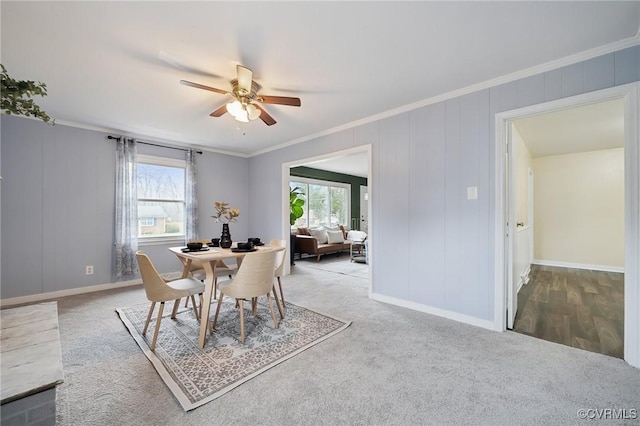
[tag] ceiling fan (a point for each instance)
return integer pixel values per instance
(245, 105)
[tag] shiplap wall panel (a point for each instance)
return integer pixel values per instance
(453, 202)
(552, 85)
(22, 224)
(530, 90)
(599, 73)
(572, 80)
(627, 65)
(392, 208)
(427, 223)
(471, 158)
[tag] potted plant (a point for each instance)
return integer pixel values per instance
(295, 212)
(16, 97)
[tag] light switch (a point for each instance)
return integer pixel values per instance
(472, 193)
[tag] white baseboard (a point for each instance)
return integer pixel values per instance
(466, 319)
(604, 268)
(34, 298)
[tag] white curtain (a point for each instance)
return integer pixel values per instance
(191, 196)
(126, 238)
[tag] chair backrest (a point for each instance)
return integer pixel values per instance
(254, 277)
(279, 257)
(155, 287)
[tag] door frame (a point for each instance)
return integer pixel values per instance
(286, 227)
(629, 93)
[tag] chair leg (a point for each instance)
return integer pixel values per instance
(273, 313)
(241, 321)
(176, 305)
(281, 293)
(195, 307)
(146, 324)
(275, 296)
(254, 306)
(155, 332)
(215, 318)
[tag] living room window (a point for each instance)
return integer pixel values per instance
(326, 203)
(161, 198)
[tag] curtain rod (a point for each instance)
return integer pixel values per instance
(118, 138)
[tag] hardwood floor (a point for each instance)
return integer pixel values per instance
(575, 307)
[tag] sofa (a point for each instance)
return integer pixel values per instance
(320, 241)
(316, 242)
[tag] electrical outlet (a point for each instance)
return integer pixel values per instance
(89, 270)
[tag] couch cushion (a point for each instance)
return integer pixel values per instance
(335, 237)
(319, 234)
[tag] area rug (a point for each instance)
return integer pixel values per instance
(197, 376)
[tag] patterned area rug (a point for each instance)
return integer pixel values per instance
(197, 376)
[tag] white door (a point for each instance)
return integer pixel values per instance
(512, 290)
(364, 208)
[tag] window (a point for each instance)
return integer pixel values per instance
(161, 198)
(326, 203)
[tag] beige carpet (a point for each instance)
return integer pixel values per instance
(197, 376)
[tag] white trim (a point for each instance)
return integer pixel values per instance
(33, 298)
(604, 268)
(455, 316)
(527, 72)
(628, 92)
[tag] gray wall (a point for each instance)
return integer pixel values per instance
(430, 245)
(58, 205)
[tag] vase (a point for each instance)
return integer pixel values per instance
(225, 237)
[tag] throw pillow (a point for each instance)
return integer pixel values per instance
(335, 237)
(319, 234)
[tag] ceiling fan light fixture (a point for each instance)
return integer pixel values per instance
(234, 108)
(253, 112)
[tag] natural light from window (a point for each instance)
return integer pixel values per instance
(161, 197)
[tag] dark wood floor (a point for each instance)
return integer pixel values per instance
(574, 307)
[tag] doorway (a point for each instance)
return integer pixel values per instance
(356, 161)
(506, 302)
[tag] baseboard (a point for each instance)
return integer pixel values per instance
(604, 268)
(455, 316)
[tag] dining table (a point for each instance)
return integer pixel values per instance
(209, 258)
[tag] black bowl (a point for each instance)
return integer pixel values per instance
(215, 242)
(194, 246)
(245, 246)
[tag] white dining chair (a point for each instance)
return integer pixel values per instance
(253, 279)
(160, 290)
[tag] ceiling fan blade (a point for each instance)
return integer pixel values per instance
(200, 86)
(220, 111)
(280, 100)
(245, 76)
(268, 120)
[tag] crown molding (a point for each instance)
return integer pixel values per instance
(527, 72)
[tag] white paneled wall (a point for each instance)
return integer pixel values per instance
(433, 249)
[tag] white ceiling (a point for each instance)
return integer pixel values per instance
(587, 128)
(116, 65)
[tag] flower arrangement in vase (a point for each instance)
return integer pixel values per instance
(225, 215)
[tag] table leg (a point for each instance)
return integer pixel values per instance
(209, 288)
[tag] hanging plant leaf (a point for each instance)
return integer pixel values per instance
(17, 94)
